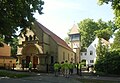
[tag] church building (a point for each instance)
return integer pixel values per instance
(42, 47)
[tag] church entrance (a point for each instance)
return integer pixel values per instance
(27, 61)
(30, 53)
(35, 61)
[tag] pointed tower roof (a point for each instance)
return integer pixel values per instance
(74, 30)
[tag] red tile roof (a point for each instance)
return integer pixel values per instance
(57, 39)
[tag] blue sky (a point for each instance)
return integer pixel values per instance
(60, 15)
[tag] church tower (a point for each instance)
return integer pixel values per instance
(74, 36)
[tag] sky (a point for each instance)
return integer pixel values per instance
(60, 15)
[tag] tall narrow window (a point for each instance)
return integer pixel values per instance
(34, 37)
(30, 37)
(68, 57)
(63, 55)
(26, 38)
(91, 52)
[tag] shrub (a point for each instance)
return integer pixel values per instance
(12, 75)
(109, 64)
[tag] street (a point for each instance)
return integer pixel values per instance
(45, 78)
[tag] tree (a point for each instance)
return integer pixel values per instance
(106, 29)
(101, 49)
(87, 28)
(90, 29)
(17, 13)
(116, 7)
(110, 64)
(14, 44)
(116, 43)
(105, 33)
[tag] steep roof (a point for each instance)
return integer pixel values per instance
(102, 40)
(74, 30)
(57, 39)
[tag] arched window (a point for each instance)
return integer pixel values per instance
(26, 38)
(30, 37)
(34, 37)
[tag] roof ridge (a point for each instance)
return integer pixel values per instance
(58, 40)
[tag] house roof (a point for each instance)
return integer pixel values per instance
(74, 30)
(57, 39)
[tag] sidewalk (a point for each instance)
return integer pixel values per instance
(52, 78)
(99, 78)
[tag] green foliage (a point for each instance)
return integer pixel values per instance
(90, 29)
(87, 28)
(116, 7)
(110, 63)
(83, 62)
(14, 14)
(106, 29)
(104, 33)
(14, 44)
(101, 49)
(12, 75)
(116, 43)
(17, 13)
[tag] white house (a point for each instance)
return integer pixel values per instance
(90, 55)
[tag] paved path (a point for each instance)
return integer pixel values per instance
(40, 78)
(50, 78)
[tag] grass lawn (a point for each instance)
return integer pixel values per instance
(96, 81)
(12, 74)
